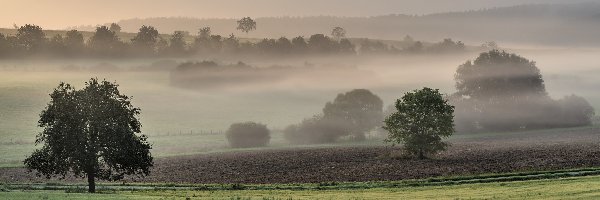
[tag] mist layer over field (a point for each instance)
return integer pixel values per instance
(168, 109)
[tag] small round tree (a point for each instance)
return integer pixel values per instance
(248, 134)
(246, 25)
(338, 33)
(422, 119)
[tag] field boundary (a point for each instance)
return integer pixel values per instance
(437, 181)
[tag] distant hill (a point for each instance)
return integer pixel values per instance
(552, 24)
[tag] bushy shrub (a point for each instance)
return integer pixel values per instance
(248, 134)
(576, 111)
(315, 130)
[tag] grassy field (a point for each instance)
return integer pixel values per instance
(563, 188)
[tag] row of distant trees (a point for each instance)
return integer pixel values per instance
(31, 40)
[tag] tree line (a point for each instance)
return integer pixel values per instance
(31, 40)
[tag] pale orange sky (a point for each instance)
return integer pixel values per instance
(59, 14)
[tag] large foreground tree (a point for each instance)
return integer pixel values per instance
(422, 120)
(93, 132)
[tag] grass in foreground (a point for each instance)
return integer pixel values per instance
(566, 188)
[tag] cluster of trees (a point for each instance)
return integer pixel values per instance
(31, 40)
(500, 91)
(420, 121)
(351, 115)
(411, 46)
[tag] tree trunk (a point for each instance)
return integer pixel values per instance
(91, 183)
(421, 156)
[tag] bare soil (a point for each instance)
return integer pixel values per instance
(467, 156)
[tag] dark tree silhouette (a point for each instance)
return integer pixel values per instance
(31, 38)
(299, 45)
(105, 42)
(319, 43)
(346, 46)
(145, 40)
(4, 46)
(231, 44)
(57, 46)
(338, 33)
(74, 42)
(114, 27)
(177, 45)
(204, 32)
(246, 25)
(359, 109)
(267, 46)
(422, 119)
(283, 45)
(93, 132)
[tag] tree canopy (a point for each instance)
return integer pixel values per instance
(105, 42)
(338, 33)
(93, 132)
(145, 40)
(423, 118)
(246, 24)
(31, 38)
(114, 27)
(360, 110)
(498, 74)
(500, 91)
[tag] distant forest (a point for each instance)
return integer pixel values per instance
(32, 41)
(551, 24)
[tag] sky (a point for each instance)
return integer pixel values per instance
(60, 14)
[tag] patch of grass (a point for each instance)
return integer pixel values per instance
(562, 188)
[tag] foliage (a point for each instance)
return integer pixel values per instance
(373, 47)
(576, 111)
(91, 133)
(74, 42)
(352, 114)
(423, 119)
(177, 45)
(246, 24)
(204, 32)
(500, 91)
(145, 41)
(338, 33)
(248, 134)
(498, 74)
(447, 46)
(114, 27)
(360, 110)
(105, 42)
(315, 130)
(31, 40)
